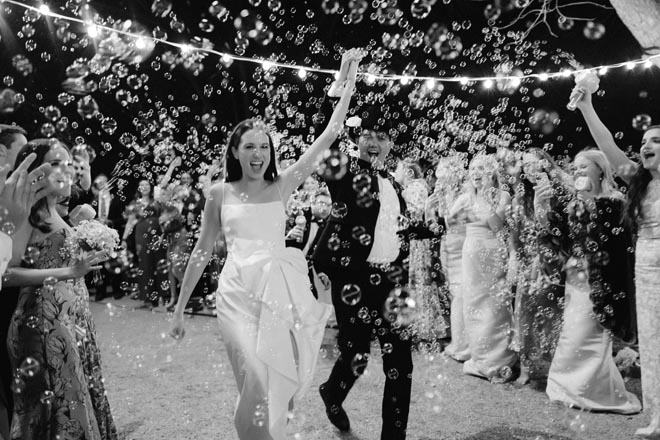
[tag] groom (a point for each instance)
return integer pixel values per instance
(361, 253)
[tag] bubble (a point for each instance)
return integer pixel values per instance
(565, 23)
(47, 397)
(47, 130)
(109, 125)
(400, 307)
(387, 348)
(50, 282)
(87, 107)
(375, 279)
(594, 30)
(17, 384)
(29, 367)
(492, 12)
(339, 210)
(641, 122)
(334, 243)
(8, 228)
(359, 363)
(361, 183)
(333, 165)
(420, 9)
(31, 255)
(505, 372)
(161, 8)
(351, 294)
(52, 113)
(259, 416)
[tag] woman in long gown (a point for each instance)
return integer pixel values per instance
(599, 299)
(539, 280)
(450, 173)
(270, 322)
(427, 284)
(643, 211)
(487, 296)
(58, 390)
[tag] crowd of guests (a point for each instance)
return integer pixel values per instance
(519, 266)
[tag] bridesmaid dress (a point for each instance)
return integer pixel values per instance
(647, 283)
(270, 322)
(583, 373)
(64, 395)
(487, 300)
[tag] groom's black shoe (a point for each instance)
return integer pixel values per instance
(335, 413)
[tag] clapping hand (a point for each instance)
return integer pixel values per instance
(19, 191)
(88, 263)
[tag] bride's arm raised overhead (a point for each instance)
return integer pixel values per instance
(200, 256)
(293, 176)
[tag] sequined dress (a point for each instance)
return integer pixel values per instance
(647, 283)
(64, 397)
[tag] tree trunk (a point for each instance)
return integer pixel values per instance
(642, 18)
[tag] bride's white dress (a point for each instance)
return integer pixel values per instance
(270, 322)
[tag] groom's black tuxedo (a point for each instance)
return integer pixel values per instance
(342, 252)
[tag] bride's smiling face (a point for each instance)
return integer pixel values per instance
(253, 153)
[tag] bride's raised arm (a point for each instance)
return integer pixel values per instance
(293, 176)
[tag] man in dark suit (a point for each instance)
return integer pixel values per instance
(362, 254)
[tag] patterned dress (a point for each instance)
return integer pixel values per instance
(59, 391)
(647, 283)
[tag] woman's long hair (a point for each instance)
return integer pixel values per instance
(138, 194)
(636, 191)
(233, 166)
(40, 147)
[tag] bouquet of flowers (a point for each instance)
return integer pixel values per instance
(92, 236)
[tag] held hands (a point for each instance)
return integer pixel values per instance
(19, 192)
(347, 72)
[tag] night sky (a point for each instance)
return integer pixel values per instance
(191, 102)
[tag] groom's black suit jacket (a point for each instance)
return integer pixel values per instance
(349, 230)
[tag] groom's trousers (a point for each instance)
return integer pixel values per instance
(358, 324)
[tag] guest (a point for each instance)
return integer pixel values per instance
(305, 236)
(144, 195)
(643, 214)
(599, 299)
(12, 138)
(450, 175)
(65, 398)
(426, 279)
(179, 246)
(17, 195)
(537, 265)
(487, 296)
(151, 257)
(109, 211)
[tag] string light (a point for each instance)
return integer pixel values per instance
(302, 73)
(93, 31)
(488, 84)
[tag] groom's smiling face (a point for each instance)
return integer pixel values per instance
(374, 146)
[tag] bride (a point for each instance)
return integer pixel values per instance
(270, 322)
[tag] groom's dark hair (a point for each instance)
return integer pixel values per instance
(233, 166)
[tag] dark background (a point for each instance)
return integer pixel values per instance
(303, 32)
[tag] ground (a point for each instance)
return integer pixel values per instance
(161, 389)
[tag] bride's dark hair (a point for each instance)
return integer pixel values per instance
(636, 191)
(232, 165)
